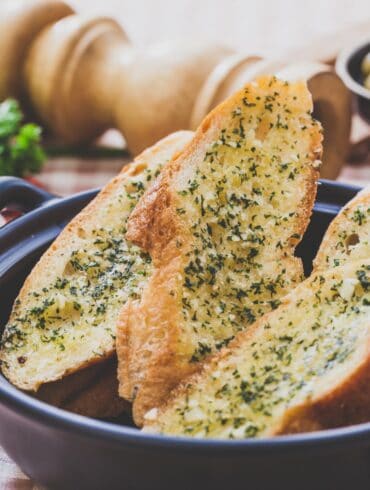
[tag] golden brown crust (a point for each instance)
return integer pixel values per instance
(101, 399)
(150, 362)
(58, 392)
(155, 227)
(135, 344)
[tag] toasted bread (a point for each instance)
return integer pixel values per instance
(64, 318)
(302, 367)
(348, 236)
(221, 225)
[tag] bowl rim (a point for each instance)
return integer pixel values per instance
(42, 413)
(341, 67)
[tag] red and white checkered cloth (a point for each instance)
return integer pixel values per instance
(68, 175)
(11, 478)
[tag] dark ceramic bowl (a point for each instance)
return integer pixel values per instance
(348, 67)
(64, 451)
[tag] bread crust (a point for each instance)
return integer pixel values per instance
(100, 399)
(58, 392)
(346, 403)
(52, 263)
(150, 362)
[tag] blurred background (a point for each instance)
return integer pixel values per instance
(296, 30)
(267, 27)
(300, 29)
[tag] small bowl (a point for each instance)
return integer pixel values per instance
(348, 67)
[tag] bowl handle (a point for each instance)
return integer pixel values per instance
(21, 193)
(17, 197)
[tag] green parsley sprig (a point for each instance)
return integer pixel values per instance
(20, 150)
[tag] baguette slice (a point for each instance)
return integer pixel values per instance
(348, 236)
(221, 225)
(65, 316)
(302, 367)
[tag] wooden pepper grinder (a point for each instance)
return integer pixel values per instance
(81, 76)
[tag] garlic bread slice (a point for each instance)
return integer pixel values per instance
(221, 225)
(64, 318)
(302, 367)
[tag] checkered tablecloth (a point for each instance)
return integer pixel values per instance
(65, 176)
(11, 478)
(68, 175)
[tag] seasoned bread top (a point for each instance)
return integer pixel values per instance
(348, 236)
(302, 367)
(65, 315)
(221, 225)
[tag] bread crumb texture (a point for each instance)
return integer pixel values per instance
(348, 236)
